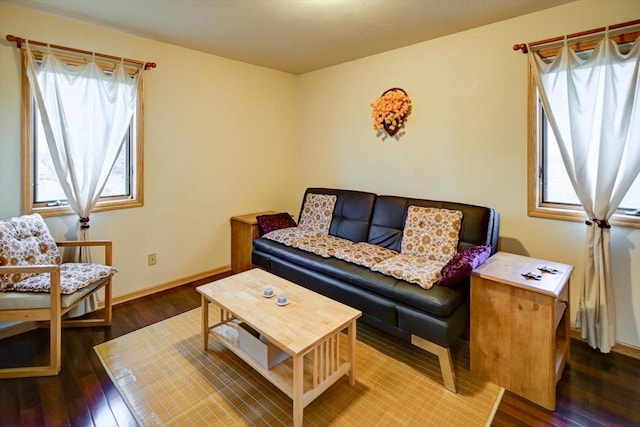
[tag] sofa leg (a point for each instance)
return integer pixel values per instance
(444, 356)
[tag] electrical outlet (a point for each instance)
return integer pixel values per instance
(152, 259)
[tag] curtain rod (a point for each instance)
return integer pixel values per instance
(523, 46)
(19, 41)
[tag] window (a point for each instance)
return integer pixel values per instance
(550, 193)
(42, 191)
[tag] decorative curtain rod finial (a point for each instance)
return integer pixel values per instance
(17, 40)
(521, 46)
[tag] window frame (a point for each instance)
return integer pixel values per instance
(136, 199)
(536, 207)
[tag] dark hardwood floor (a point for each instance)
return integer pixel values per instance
(595, 390)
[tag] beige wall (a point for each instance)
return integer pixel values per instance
(219, 141)
(465, 139)
(224, 138)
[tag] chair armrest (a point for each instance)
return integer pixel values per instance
(106, 243)
(53, 269)
(37, 269)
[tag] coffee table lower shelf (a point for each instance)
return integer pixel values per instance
(303, 377)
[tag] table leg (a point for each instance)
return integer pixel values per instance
(298, 390)
(352, 352)
(205, 322)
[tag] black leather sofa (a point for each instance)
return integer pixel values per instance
(431, 319)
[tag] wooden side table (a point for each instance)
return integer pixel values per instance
(244, 228)
(520, 329)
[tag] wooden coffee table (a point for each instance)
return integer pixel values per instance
(307, 329)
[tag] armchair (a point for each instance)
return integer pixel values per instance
(35, 286)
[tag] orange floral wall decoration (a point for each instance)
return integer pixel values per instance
(390, 110)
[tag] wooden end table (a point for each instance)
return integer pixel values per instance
(244, 228)
(307, 328)
(520, 329)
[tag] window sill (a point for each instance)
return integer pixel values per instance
(47, 211)
(565, 214)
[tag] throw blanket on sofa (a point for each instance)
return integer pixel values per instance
(430, 239)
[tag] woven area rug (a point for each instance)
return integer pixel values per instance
(167, 379)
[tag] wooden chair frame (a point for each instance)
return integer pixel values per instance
(53, 315)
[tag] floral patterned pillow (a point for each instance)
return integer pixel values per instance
(431, 233)
(73, 276)
(25, 241)
(317, 212)
(323, 245)
(461, 265)
(270, 222)
(364, 254)
(410, 268)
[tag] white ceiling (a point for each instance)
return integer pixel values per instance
(295, 36)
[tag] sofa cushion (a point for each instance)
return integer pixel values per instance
(317, 212)
(351, 214)
(323, 245)
(461, 265)
(364, 254)
(480, 225)
(412, 269)
(73, 276)
(431, 233)
(270, 222)
(382, 308)
(438, 330)
(25, 241)
(439, 300)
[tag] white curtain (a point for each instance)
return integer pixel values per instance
(85, 114)
(592, 102)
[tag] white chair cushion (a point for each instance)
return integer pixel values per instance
(35, 300)
(73, 276)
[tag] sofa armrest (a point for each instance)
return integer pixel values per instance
(107, 244)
